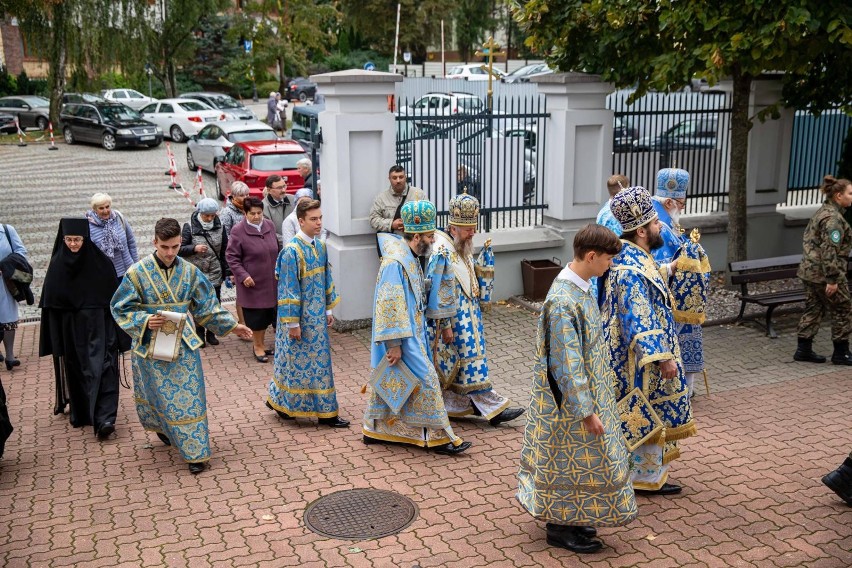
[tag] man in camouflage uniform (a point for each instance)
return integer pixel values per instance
(823, 271)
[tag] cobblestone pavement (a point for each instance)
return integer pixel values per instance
(769, 430)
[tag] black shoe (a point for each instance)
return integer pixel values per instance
(666, 489)
(449, 449)
(334, 422)
(12, 363)
(105, 430)
(588, 532)
(211, 338)
(260, 358)
(506, 415)
(572, 539)
(165, 439)
(368, 441)
(269, 351)
(840, 481)
(841, 355)
(805, 352)
(280, 413)
(196, 468)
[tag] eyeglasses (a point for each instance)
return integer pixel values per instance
(74, 240)
(681, 203)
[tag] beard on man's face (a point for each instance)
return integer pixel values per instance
(675, 215)
(655, 241)
(463, 246)
(424, 249)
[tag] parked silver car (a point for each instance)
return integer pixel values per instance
(214, 141)
(128, 97)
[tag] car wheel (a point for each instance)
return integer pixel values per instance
(219, 190)
(68, 135)
(41, 123)
(177, 134)
(190, 161)
(303, 96)
(108, 141)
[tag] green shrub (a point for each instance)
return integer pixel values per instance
(8, 84)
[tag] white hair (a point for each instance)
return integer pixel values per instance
(304, 162)
(99, 199)
(239, 189)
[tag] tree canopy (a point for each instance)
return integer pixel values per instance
(661, 45)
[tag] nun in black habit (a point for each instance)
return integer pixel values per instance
(78, 330)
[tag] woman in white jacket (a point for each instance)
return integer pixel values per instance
(290, 226)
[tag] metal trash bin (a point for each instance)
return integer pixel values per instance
(538, 275)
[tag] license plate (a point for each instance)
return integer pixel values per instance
(144, 138)
(210, 119)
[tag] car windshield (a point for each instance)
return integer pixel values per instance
(456, 71)
(224, 101)
(252, 135)
(119, 113)
(276, 162)
(37, 102)
(192, 105)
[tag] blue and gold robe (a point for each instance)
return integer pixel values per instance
(398, 320)
(170, 396)
(640, 332)
(690, 335)
(303, 383)
(567, 475)
(459, 280)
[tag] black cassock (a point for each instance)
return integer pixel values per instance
(78, 330)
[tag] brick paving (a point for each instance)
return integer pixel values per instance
(769, 430)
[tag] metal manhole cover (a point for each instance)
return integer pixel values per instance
(358, 514)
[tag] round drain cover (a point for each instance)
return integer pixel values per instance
(358, 514)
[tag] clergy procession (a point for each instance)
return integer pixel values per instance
(619, 348)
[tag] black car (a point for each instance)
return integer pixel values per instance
(112, 125)
(231, 107)
(301, 89)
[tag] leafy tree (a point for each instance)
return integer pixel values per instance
(8, 85)
(473, 19)
(661, 45)
(420, 23)
(215, 49)
(288, 34)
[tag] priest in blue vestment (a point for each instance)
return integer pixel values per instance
(641, 333)
(405, 404)
(303, 384)
(690, 274)
(455, 330)
(168, 381)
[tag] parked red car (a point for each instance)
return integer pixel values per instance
(253, 162)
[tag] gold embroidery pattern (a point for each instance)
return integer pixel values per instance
(391, 311)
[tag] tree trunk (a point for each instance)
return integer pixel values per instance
(740, 126)
(58, 61)
(171, 83)
(282, 80)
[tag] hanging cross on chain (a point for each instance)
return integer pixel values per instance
(490, 49)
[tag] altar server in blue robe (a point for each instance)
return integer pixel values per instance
(575, 471)
(405, 404)
(170, 395)
(640, 331)
(303, 383)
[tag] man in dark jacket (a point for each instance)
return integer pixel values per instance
(276, 204)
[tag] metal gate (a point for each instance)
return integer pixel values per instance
(449, 142)
(815, 151)
(683, 130)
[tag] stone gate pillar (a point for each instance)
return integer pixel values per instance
(358, 147)
(578, 156)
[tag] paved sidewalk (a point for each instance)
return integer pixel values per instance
(768, 432)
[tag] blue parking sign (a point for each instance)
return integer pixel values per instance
(369, 66)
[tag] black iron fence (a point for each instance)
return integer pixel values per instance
(683, 130)
(817, 145)
(450, 142)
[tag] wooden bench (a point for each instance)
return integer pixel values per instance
(767, 270)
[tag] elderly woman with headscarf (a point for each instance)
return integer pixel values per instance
(111, 232)
(290, 226)
(252, 252)
(78, 330)
(203, 243)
